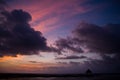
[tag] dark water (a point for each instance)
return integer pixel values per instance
(52, 78)
(111, 77)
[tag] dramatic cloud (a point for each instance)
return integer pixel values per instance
(93, 38)
(72, 57)
(66, 45)
(17, 36)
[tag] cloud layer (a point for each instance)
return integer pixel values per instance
(92, 38)
(71, 57)
(51, 13)
(17, 36)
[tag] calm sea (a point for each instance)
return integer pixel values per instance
(52, 78)
(113, 77)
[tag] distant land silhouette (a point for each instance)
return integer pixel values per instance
(88, 71)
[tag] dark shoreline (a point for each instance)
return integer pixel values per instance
(18, 75)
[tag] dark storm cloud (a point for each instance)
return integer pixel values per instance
(72, 57)
(65, 45)
(113, 29)
(94, 38)
(17, 36)
(104, 40)
(98, 39)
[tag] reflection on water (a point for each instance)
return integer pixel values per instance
(103, 77)
(115, 77)
(52, 78)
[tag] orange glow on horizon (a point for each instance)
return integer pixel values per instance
(9, 58)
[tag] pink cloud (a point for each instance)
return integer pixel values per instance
(47, 9)
(47, 25)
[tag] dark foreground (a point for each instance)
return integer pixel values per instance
(21, 76)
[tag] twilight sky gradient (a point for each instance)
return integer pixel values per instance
(59, 36)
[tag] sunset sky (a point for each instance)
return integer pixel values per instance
(59, 36)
